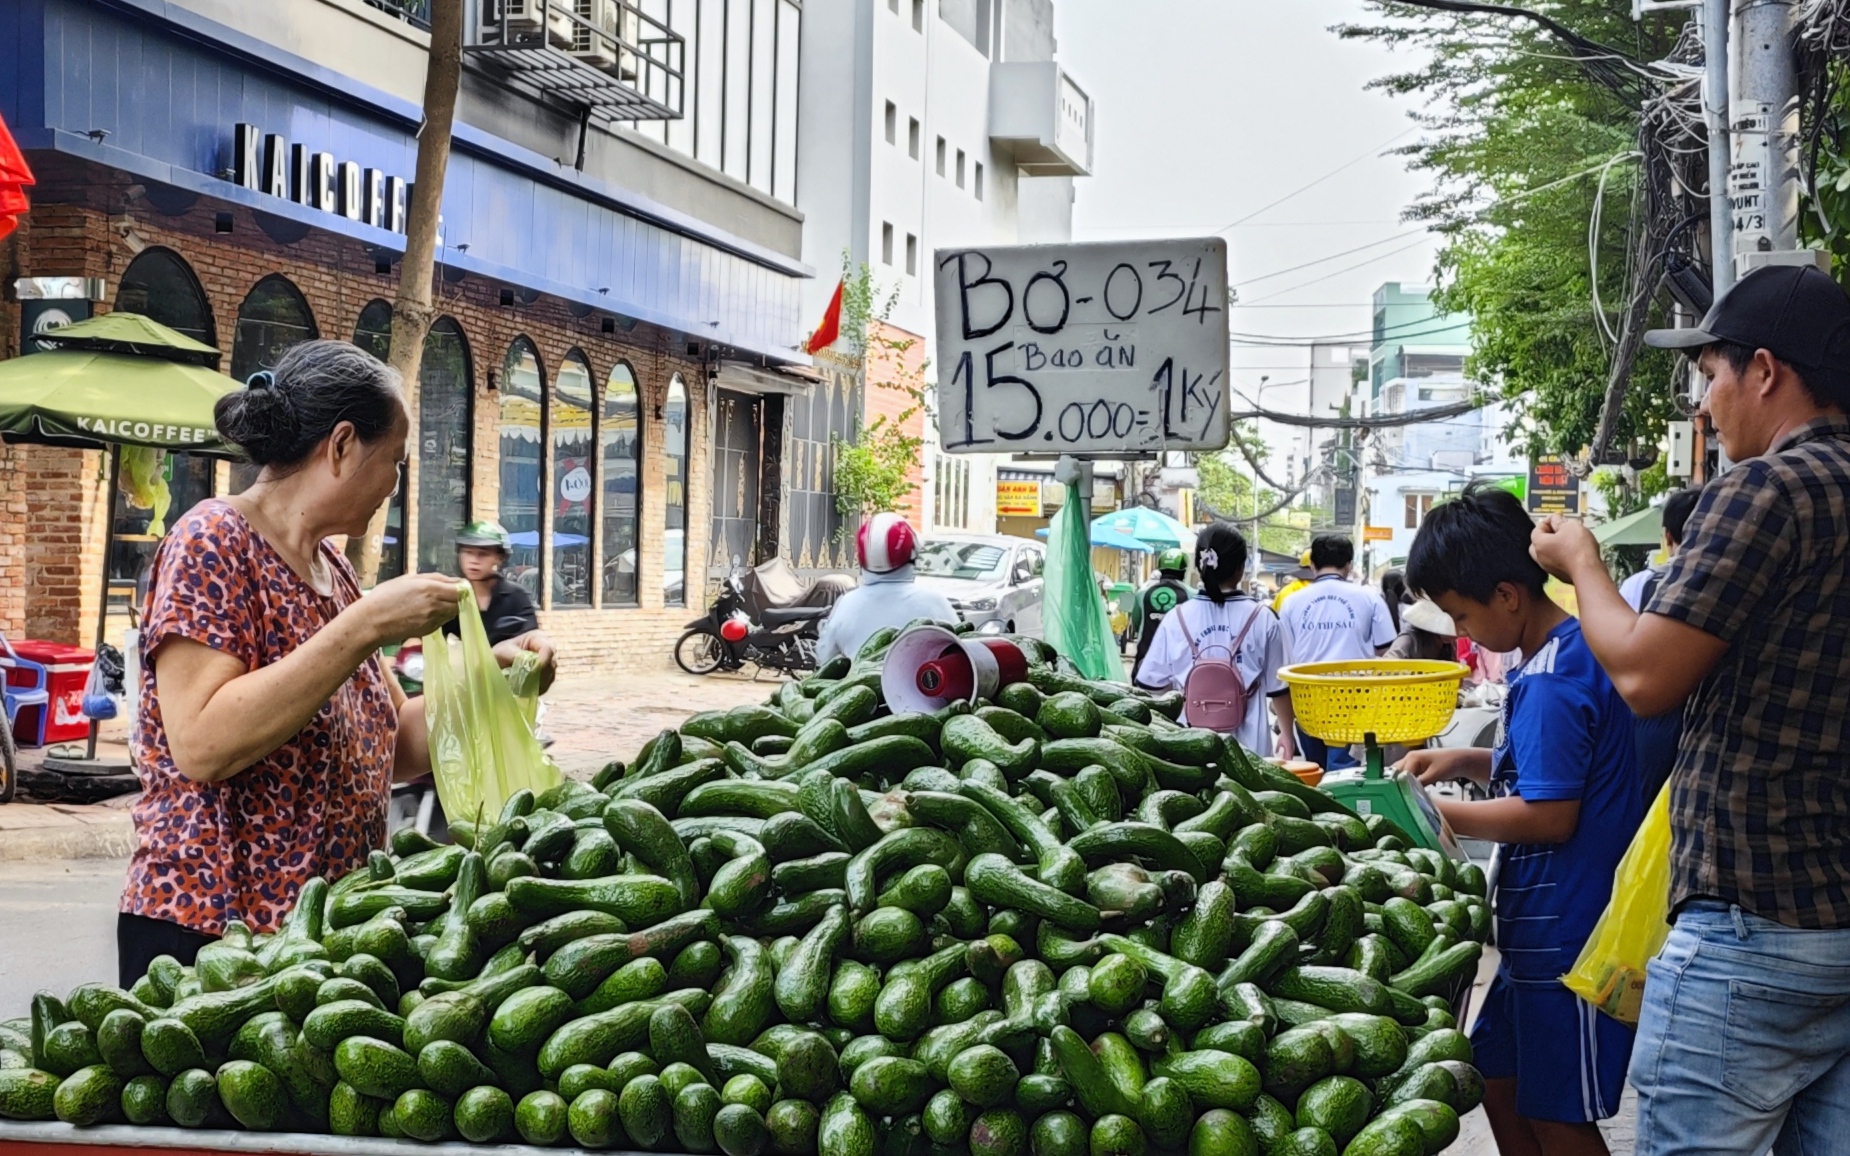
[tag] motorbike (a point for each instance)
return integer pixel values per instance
(767, 616)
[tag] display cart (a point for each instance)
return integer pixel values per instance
(19, 1139)
(1375, 702)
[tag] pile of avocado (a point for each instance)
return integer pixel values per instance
(1060, 924)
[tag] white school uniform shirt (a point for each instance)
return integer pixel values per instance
(1334, 620)
(1215, 625)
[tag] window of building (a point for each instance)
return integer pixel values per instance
(979, 180)
(619, 441)
(912, 137)
(1417, 507)
(912, 255)
(674, 522)
(273, 316)
(373, 333)
(960, 168)
(952, 493)
(892, 123)
(892, 6)
(568, 426)
(523, 396)
(446, 424)
(160, 285)
(886, 243)
(918, 15)
(941, 156)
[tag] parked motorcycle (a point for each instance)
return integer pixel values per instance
(741, 627)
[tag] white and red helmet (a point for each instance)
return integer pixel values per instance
(886, 542)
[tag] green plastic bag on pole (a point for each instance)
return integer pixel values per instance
(1073, 616)
(482, 745)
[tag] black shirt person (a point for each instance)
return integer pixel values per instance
(1158, 598)
(507, 611)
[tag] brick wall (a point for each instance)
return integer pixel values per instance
(50, 542)
(895, 370)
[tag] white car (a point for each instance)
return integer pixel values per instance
(674, 563)
(993, 581)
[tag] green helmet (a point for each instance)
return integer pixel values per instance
(1173, 559)
(485, 534)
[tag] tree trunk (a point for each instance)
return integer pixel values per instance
(412, 312)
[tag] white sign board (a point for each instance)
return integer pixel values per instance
(1105, 349)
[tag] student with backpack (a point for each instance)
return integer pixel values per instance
(1223, 650)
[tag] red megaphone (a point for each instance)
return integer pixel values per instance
(928, 668)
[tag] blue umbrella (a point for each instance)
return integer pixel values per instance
(1143, 524)
(1111, 540)
(531, 539)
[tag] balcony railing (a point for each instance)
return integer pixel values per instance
(608, 56)
(413, 12)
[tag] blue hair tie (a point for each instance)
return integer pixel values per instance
(262, 379)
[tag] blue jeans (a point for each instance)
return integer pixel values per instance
(1744, 1038)
(1330, 758)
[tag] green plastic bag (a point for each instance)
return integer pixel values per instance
(482, 745)
(1073, 616)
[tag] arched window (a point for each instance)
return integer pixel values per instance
(619, 442)
(159, 285)
(273, 317)
(674, 524)
(523, 393)
(373, 333)
(445, 422)
(568, 420)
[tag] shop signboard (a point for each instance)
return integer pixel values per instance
(1552, 488)
(1377, 533)
(1018, 499)
(1116, 349)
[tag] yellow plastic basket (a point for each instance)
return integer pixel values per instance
(1395, 700)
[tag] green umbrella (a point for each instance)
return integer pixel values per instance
(115, 380)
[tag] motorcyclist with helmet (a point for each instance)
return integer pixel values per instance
(888, 594)
(1157, 598)
(482, 549)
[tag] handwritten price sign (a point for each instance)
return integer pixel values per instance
(1109, 349)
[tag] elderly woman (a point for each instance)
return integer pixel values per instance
(271, 734)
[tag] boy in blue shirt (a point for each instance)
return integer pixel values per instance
(1567, 800)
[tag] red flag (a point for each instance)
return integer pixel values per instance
(14, 175)
(830, 329)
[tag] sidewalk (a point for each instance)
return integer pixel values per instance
(591, 721)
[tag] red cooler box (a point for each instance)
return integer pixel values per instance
(67, 671)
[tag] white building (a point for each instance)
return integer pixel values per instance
(1418, 363)
(928, 125)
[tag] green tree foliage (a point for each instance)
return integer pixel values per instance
(1229, 492)
(1518, 136)
(872, 471)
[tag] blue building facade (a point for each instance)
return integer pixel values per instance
(242, 172)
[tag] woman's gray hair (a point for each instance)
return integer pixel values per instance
(282, 414)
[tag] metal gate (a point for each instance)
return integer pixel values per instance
(736, 474)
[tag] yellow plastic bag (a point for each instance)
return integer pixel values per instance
(482, 745)
(1610, 971)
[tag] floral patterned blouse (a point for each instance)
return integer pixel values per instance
(243, 847)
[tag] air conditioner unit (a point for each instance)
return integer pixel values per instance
(629, 31)
(593, 33)
(523, 15)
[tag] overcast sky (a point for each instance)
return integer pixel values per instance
(1207, 112)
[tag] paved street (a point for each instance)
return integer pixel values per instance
(57, 925)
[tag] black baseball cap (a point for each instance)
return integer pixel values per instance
(1795, 312)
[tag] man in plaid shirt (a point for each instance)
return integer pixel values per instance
(1744, 1040)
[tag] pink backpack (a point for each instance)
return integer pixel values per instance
(1214, 696)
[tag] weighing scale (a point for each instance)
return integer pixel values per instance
(1376, 701)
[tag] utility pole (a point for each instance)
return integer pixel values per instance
(1763, 122)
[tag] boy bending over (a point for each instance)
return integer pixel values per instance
(1567, 801)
